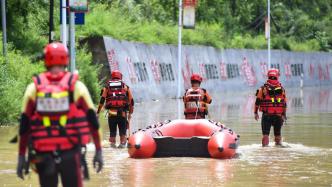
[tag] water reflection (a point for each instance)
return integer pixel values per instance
(298, 164)
(222, 170)
(308, 100)
(306, 163)
(141, 172)
(179, 172)
(226, 106)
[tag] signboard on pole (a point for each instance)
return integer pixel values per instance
(267, 28)
(78, 5)
(79, 18)
(189, 14)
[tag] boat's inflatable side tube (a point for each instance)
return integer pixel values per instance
(141, 145)
(223, 144)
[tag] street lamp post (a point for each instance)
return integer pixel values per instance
(72, 41)
(179, 82)
(268, 35)
(179, 50)
(64, 22)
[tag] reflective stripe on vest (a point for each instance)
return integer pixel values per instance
(195, 107)
(53, 97)
(54, 126)
(273, 100)
(117, 96)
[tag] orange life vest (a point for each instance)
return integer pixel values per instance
(273, 101)
(195, 107)
(57, 124)
(117, 96)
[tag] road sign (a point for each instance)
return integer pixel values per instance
(189, 7)
(78, 5)
(79, 17)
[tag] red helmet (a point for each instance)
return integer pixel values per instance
(273, 73)
(196, 77)
(116, 74)
(56, 54)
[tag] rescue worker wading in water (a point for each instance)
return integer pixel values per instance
(120, 106)
(196, 99)
(57, 119)
(271, 100)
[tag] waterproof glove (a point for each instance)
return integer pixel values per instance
(98, 160)
(256, 116)
(20, 166)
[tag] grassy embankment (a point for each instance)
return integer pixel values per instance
(104, 20)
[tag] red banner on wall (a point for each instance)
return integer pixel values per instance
(311, 71)
(113, 63)
(223, 70)
(264, 69)
(186, 73)
(288, 71)
(155, 70)
(248, 72)
(202, 71)
(131, 70)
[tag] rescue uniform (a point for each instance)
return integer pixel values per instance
(118, 100)
(272, 102)
(57, 118)
(195, 103)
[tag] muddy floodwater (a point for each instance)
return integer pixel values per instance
(306, 162)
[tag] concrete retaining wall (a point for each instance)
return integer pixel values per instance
(151, 70)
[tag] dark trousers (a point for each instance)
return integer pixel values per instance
(117, 121)
(67, 165)
(194, 115)
(271, 120)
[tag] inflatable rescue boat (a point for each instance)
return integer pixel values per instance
(191, 138)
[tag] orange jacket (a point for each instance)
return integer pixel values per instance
(271, 100)
(195, 103)
(29, 117)
(115, 111)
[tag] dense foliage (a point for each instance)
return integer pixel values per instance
(298, 25)
(88, 73)
(16, 73)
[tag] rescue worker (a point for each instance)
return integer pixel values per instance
(196, 99)
(120, 106)
(272, 102)
(57, 119)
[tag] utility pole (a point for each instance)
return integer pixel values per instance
(64, 22)
(179, 50)
(72, 41)
(268, 36)
(179, 59)
(4, 29)
(51, 23)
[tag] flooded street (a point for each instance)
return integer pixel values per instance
(306, 162)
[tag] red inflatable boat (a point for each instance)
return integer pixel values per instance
(192, 138)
